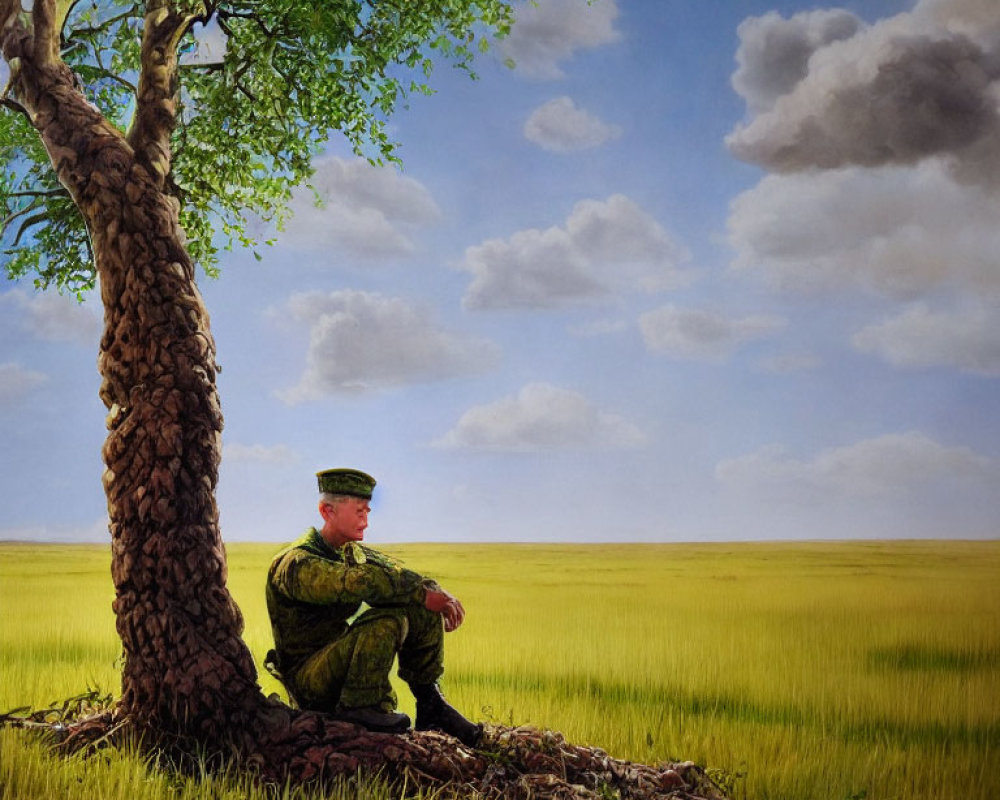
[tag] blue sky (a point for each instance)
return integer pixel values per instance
(689, 271)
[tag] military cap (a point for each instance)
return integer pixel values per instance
(351, 482)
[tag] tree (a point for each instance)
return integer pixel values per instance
(121, 153)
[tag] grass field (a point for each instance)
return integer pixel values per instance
(815, 671)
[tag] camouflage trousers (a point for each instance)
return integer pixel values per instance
(353, 671)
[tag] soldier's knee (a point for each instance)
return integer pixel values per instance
(388, 626)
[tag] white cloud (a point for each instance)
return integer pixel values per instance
(926, 89)
(702, 335)
(966, 339)
(52, 317)
(278, 455)
(541, 417)
(16, 383)
(367, 211)
(361, 341)
(561, 127)
(889, 464)
(547, 33)
(604, 247)
(901, 232)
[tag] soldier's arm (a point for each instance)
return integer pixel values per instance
(311, 579)
(434, 599)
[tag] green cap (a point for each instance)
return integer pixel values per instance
(351, 482)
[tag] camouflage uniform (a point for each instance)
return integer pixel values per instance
(325, 657)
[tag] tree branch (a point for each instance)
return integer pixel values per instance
(9, 10)
(44, 15)
(61, 191)
(16, 214)
(156, 106)
(115, 78)
(214, 66)
(30, 222)
(13, 105)
(74, 33)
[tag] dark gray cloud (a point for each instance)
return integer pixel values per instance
(774, 52)
(899, 91)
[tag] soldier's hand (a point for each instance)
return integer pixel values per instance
(448, 606)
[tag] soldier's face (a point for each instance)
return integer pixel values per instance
(345, 521)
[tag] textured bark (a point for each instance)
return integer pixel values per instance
(188, 682)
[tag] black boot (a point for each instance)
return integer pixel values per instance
(374, 718)
(435, 714)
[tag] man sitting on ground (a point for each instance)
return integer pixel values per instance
(332, 664)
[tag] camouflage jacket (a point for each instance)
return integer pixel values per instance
(314, 589)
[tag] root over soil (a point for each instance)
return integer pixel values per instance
(307, 748)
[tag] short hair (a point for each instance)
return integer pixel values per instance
(330, 499)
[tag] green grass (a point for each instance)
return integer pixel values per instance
(818, 671)
(28, 771)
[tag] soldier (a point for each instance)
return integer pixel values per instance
(330, 663)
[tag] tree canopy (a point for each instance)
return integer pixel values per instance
(246, 123)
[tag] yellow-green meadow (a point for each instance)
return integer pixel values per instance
(804, 671)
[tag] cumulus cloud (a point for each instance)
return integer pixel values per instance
(904, 89)
(967, 339)
(16, 383)
(886, 141)
(361, 341)
(541, 417)
(977, 19)
(278, 455)
(702, 335)
(545, 34)
(366, 211)
(604, 247)
(901, 232)
(561, 127)
(889, 464)
(774, 52)
(53, 317)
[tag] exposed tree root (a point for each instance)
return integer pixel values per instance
(306, 748)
